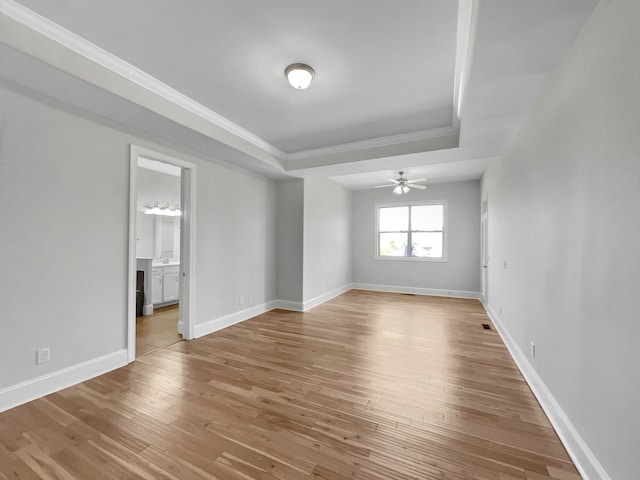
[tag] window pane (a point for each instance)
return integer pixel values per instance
(427, 244)
(427, 217)
(393, 244)
(394, 219)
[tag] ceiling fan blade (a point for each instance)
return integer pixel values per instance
(395, 182)
(384, 186)
(413, 185)
(417, 180)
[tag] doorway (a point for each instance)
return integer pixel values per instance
(158, 329)
(161, 250)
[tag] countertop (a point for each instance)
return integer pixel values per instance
(170, 264)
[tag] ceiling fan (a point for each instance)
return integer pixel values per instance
(402, 185)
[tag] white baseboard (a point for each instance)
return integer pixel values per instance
(28, 390)
(416, 290)
(237, 317)
(289, 305)
(231, 319)
(583, 458)
(314, 302)
(325, 297)
(147, 309)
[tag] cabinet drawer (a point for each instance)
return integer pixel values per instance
(172, 269)
(156, 271)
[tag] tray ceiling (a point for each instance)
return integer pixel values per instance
(409, 84)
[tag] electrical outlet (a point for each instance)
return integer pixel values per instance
(242, 300)
(533, 350)
(249, 300)
(43, 355)
(500, 310)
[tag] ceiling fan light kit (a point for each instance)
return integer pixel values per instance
(299, 75)
(402, 185)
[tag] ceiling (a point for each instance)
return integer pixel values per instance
(432, 87)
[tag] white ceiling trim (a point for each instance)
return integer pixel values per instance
(373, 143)
(467, 16)
(363, 157)
(115, 64)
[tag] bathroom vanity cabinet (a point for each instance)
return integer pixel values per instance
(165, 285)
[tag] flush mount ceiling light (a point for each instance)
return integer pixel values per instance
(299, 75)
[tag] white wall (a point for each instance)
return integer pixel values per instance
(290, 228)
(327, 238)
(459, 274)
(564, 208)
(64, 187)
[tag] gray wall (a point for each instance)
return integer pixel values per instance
(327, 237)
(235, 240)
(64, 222)
(460, 272)
(64, 188)
(290, 223)
(156, 187)
(564, 208)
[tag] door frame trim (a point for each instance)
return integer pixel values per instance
(484, 250)
(187, 250)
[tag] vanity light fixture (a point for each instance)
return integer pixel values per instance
(299, 75)
(166, 211)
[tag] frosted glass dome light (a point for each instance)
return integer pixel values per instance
(299, 75)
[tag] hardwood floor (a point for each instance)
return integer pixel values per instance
(157, 330)
(368, 386)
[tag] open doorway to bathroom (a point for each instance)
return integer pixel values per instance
(157, 255)
(161, 211)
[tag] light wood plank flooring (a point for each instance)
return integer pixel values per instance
(157, 330)
(367, 386)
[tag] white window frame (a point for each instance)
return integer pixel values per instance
(445, 232)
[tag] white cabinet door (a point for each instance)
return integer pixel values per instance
(170, 287)
(156, 289)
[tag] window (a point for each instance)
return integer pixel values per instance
(411, 232)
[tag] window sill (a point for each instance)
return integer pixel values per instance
(412, 259)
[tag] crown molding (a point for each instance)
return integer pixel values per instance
(98, 55)
(373, 143)
(465, 36)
